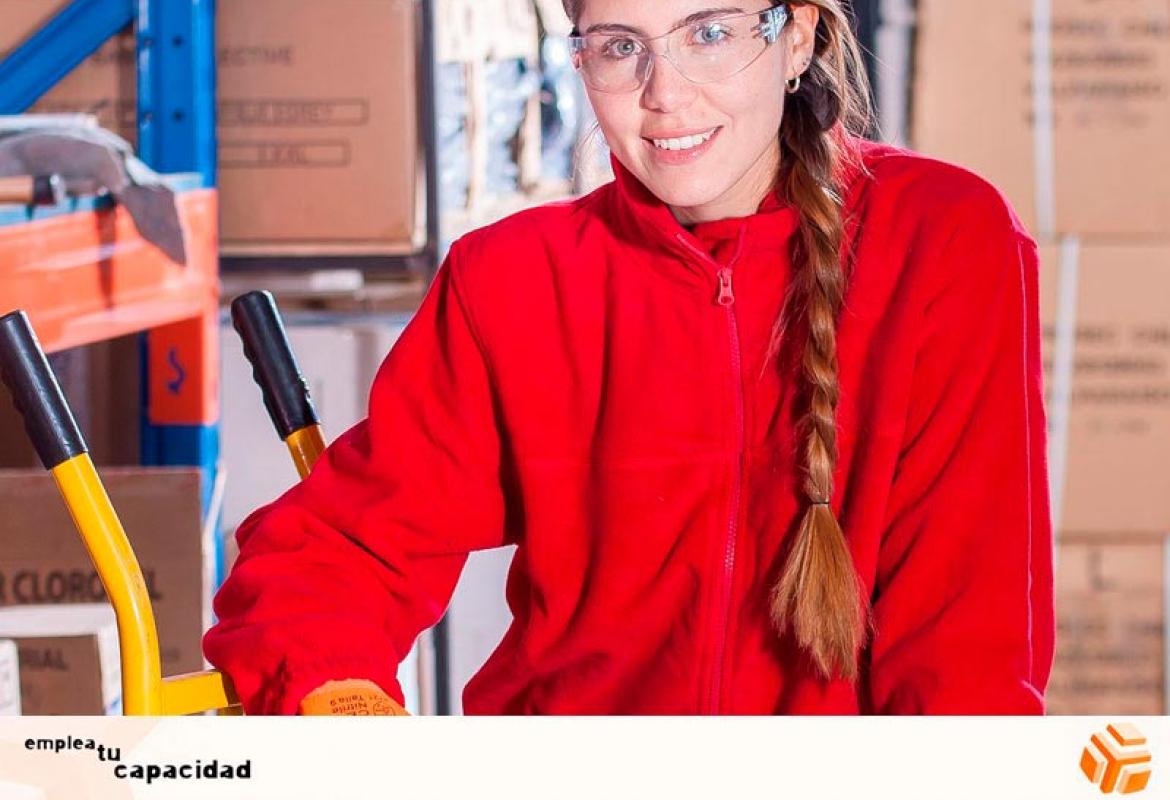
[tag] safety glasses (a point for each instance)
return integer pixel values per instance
(706, 51)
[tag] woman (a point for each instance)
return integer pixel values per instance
(763, 416)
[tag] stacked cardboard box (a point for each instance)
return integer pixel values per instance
(1096, 109)
(1065, 104)
(1106, 317)
(317, 121)
(1107, 345)
(43, 560)
(1111, 629)
(69, 660)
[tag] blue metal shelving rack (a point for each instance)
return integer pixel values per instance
(176, 134)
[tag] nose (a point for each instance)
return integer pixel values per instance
(666, 90)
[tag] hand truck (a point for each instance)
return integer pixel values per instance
(63, 452)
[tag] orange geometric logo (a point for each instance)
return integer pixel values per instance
(1117, 760)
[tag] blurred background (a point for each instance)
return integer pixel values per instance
(160, 157)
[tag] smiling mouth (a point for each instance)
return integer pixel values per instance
(684, 142)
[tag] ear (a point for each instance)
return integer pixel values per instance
(801, 37)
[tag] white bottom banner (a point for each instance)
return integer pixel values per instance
(598, 758)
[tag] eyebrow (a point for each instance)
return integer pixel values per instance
(693, 18)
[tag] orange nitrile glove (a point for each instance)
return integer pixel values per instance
(352, 698)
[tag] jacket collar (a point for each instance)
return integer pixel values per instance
(645, 221)
(648, 221)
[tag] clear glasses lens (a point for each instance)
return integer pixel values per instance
(705, 52)
(612, 62)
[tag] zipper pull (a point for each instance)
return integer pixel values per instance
(726, 296)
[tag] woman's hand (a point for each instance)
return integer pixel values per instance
(350, 698)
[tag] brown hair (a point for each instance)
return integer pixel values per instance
(819, 594)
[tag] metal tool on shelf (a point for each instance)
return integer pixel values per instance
(91, 161)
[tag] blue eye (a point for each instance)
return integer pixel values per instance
(713, 33)
(620, 48)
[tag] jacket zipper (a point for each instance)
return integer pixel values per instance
(726, 298)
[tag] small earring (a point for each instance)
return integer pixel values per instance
(793, 85)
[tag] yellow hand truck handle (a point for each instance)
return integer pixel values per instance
(275, 370)
(58, 441)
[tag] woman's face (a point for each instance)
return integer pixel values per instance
(708, 150)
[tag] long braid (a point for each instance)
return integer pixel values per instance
(819, 594)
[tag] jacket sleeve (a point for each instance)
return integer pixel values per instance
(963, 606)
(337, 578)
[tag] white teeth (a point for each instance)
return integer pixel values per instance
(684, 142)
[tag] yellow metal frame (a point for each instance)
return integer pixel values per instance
(306, 446)
(94, 516)
(196, 692)
(144, 691)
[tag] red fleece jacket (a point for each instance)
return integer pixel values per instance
(587, 380)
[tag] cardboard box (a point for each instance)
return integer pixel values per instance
(318, 144)
(69, 662)
(43, 561)
(317, 121)
(1109, 421)
(9, 679)
(1111, 622)
(1110, 68)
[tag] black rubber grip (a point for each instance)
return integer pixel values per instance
(36, 393)
(274, 367)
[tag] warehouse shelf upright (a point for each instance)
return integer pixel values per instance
(82, 272)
